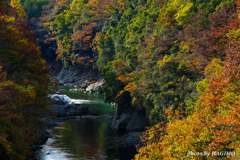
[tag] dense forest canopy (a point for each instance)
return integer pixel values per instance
(176, 60)
(23, 83)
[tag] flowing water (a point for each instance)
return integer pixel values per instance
(87, 138)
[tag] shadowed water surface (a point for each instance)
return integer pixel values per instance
(87, 138)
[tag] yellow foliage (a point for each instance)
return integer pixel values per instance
(47, 24)
(214, 68)
(183, 13)
(130, 87)
(96, 41)
(166, 59)
(213, 126)
(20, 9)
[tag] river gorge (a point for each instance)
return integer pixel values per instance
(87, 137)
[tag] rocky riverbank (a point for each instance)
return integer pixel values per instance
(90, 80)
(131, 121)
(130, 127)
(59, 111)
(128, 139)
(63, 108)
(87, 80)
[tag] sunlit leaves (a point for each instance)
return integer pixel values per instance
(160, 55)
(182, 15)
(213, 124)
(20, 10)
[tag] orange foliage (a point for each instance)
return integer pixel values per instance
(61, 2)
(121, 5)
(210, 40)
(47, 24)
(120, 67)
(86, 45)
(127, 78)
(159, 3)
(85, 35)
(23, 91)
(131, 87)
(79, 35)
(238, 5)
(26, 81)
(213, 126)
(140, 6)
(86, 39)
(59, 56)
(91, 60)
(82, 59)
(194, 61)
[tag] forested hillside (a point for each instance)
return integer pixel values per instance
(23, 84)
(176, 60)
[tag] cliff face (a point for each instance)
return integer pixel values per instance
(89, 80)
(84, 77)
(134, 120)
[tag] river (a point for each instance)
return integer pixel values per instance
(87, 138)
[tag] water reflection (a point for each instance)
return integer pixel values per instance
(80, 95)
(85, 139)
(93, 100)
(88, 138)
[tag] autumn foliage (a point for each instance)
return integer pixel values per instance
(23, 84)
(175, 60)
(213, 124)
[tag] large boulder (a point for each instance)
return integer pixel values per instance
(96, 86)
(119, 122)
(134, 120)
(60, 99)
